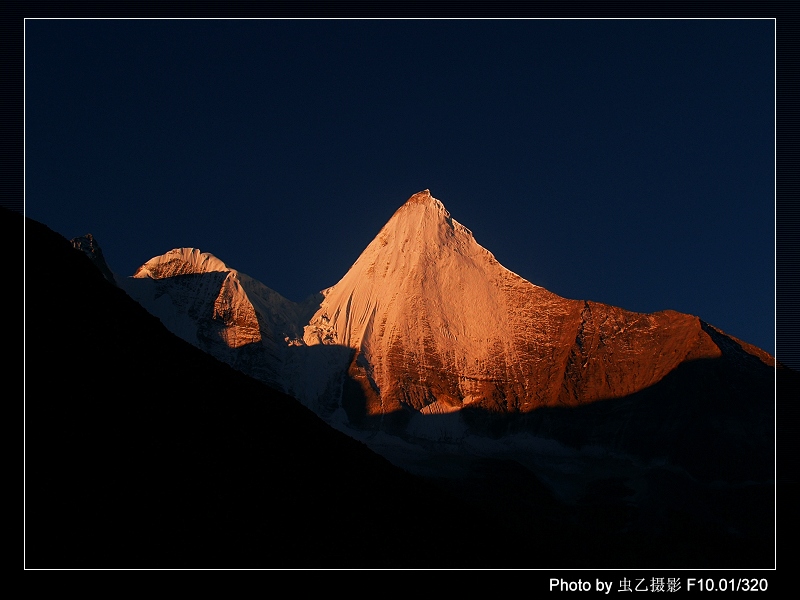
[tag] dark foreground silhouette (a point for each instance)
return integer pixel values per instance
(143, 452)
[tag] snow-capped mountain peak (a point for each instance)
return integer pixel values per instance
(181, 261)
(437, 324)
(221, 310)
(422, 262)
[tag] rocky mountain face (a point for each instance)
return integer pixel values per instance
(437, 324)
(448, 345)
(89, 246)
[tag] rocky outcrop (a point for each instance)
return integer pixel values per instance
(89, 246)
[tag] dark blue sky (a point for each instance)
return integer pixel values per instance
(629, 162)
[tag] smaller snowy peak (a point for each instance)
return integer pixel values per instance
(181, 261)
(89, 246)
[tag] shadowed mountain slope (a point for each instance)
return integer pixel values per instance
(143, 451)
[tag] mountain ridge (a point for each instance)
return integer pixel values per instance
(470, 309)
(427, 323)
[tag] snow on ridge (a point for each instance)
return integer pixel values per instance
(181, 261)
